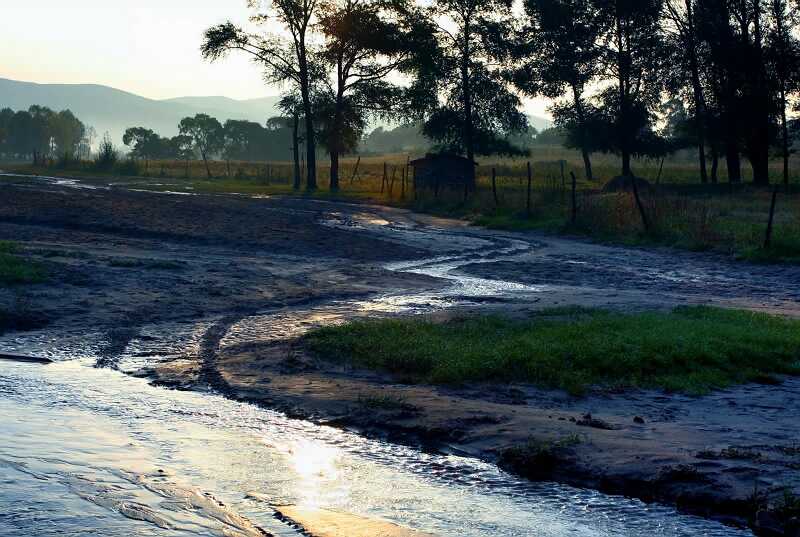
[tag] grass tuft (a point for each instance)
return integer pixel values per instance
(16, 270)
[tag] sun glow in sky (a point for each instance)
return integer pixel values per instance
(148, 47)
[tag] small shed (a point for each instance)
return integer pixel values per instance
(443, 169)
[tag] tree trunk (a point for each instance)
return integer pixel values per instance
(208, 169)
(784, 139)
(336, 137)
(305, 94)
(468, 121)
(576, 98)
(296, 150)
(587, 164)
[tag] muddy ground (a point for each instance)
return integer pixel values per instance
(257, 272)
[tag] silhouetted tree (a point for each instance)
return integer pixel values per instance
(559, 47)
(680, 18)
(206, 134)
(286, 57)
(633, 65)
(365, 41)
(291, 104)
(783, 58)
(474, 110)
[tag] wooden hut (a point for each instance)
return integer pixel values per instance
(438, 169)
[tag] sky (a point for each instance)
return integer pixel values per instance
(147, 47)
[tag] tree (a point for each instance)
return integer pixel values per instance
(284, 60)
(67, 132)
(243, 140)
(146, 144)
(472, 111)
(560, 53)
(291, 104)
(28, 135)
(365, 41)
(632, 60)
(206, 134)
(680, 16)
(783, 58)
(85, 145)
(182, 147)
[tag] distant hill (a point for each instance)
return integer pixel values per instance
(113, 110)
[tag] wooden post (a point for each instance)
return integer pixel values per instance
(391, 185)
(574, 216)
(563, 185)
(403, 182)
(384, 178)
(768, 237)
(229, 167)
(355, 170)
(494, 188)
(528, 205)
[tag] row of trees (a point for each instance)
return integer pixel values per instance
(722, 75)
(205, 136)
(725, 70)
(41, 131)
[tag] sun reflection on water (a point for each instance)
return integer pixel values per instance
(320, 473)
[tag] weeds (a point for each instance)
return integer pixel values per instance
(382, 401)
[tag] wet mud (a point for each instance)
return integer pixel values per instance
(212, 291)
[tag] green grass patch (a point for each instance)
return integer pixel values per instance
(689, 349)
(16, 270)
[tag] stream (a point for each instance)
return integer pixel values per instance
(90, 451)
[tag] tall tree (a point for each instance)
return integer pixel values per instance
(206, 134)
(633, 65)
(292, 106)
(365, 41)
(474, 110)
(680, 18)
(783, 58)
(67, 132)
(560, 53)
(284, 60)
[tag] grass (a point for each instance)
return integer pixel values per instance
(689, 349)
(382, 401)
(16, 270)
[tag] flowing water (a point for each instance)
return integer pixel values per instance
(91, 451)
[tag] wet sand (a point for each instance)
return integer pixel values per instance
(121, 260)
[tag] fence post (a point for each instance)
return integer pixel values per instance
(528, 205)
(494, 189)
(768, 237)
(574, 216)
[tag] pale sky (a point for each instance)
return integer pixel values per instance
(147, 47)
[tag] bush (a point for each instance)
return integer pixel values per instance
(107, 155)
